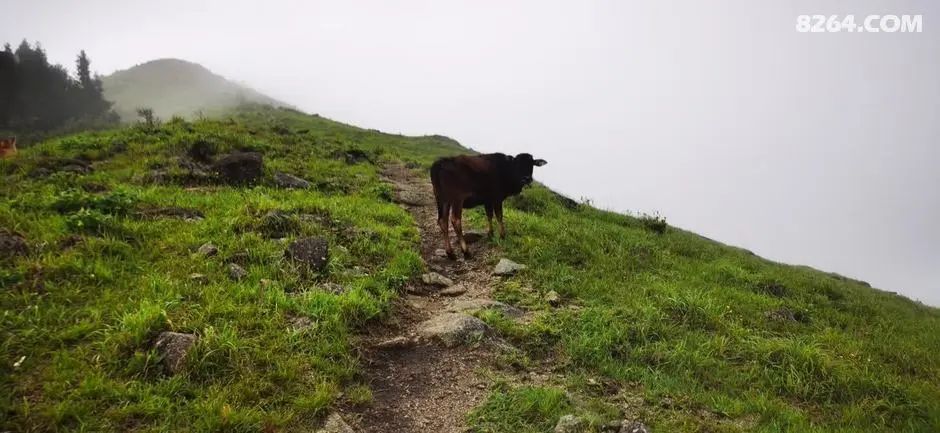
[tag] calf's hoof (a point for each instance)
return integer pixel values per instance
(452, 255)
(467, 255)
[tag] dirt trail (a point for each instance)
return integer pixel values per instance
(423, 386)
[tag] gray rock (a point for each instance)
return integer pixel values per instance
(313, 252)
(199, 278)
(507, 267)
(452, 329)
(440, 252)
(553, 298)
(290, 181)
(335, 424)
(474, 305)
(412, 197)
(12, 245)
(172, 348)
(240, 168)
(455, 290)
(436, 279)
(236, 272)
(634, 427)
(208, 249)
(570, 424)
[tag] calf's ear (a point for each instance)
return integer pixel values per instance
(540, 162)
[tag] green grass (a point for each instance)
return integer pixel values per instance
(679, 318)
(656, 323)
(85, 316)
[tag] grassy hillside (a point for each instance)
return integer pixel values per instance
(176, 87)
(680, 331)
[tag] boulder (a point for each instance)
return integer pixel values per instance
(172, 348)
(436, 279)
(240, 168)
(570, 424)
(452, 329)
(12, 245)
(312, 252)
(289, 181)
(507, 267)
(335, 424)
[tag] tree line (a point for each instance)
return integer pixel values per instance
(36, 96)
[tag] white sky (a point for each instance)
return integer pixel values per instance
(810, 148)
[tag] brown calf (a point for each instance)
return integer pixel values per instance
(467, 181)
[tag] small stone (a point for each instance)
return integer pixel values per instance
(236, 272)
(335, 424)
(453, 329)
(553, 298)
(569, 424)
(208, 249)
(436, 279)
(333, 288)
(265, 283)
(400, 342)
(440, 252)
(312, 251)
(198, 277)
(300, 323)
(507, 267)
(173, 347)
(634, 427)
(455, 290)
(290, 181)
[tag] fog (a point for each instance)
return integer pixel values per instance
(806, 148)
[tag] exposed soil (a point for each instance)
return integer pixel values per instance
(418, 385)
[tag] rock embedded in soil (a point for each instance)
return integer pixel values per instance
(172, 348)
(474, 305)
(236, 272)
(634, 427)
(455, 290)
(507, 267)
(412, 197)
(289, 181)
(208, 249)
(335, 424)
(313, 252)
(400, 342)
(436, 279)
(570, 424)
(12, 245)
(240, 168)
(453, 329)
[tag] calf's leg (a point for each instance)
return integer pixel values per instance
(443, 221)
(499, 217)
(458, 228)
(489, 219)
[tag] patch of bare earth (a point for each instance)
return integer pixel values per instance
(423, 381)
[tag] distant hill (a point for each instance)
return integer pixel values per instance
(176, 87)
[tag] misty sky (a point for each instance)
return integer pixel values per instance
(808, 148)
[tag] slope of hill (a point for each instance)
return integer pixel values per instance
(176, 87)
(621, 320)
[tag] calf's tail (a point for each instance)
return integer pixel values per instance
(436, 184)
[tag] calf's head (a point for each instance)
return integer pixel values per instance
(523, 164)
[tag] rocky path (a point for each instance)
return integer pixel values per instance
(426, 367)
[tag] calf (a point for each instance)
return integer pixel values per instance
(468, 181)
(7, 147)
